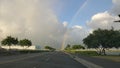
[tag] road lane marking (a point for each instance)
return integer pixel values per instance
(84, 62)
(87, 63)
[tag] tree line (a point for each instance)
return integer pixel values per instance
(73, 47)
(9, 41)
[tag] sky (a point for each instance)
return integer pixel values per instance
(56, 23)
(78, 11)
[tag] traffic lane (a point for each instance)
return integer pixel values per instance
(28, 62)
(20, 56)
(63, 60)
(47, 60)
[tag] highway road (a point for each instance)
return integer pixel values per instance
(40, 60)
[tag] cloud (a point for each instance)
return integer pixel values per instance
(116, 7)
(75, 35)
(33, 19)
(77, 27)
(103, 20)
(65, 23)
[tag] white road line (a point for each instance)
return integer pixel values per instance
(84, 62)
(87, 63)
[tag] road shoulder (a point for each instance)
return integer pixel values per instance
(86, 63)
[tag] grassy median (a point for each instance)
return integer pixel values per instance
(86, 53)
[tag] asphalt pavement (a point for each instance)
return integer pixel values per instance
(99, 61)
(40, 60)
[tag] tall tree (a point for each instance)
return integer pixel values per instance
(104, 39)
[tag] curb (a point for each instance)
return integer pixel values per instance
(84, 62)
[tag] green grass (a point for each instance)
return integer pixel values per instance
(86, 53)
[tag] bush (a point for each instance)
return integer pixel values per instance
(77, 47)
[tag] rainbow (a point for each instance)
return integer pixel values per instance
(72, 21)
